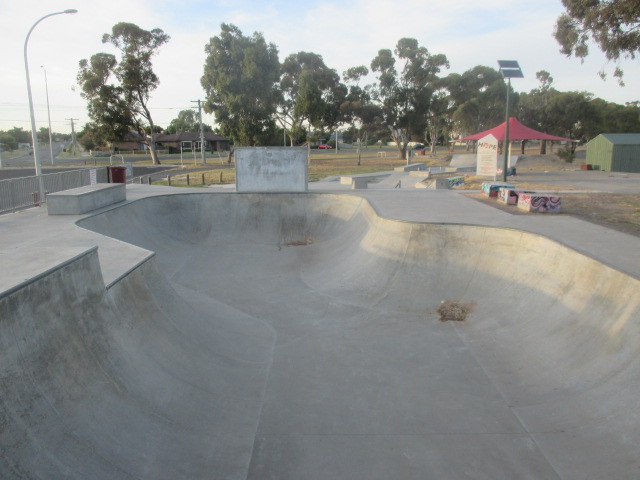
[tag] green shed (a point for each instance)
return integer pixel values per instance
(615, 152)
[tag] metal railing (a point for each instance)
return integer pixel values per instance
(20, 193)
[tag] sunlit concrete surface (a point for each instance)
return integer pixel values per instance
(295, 336)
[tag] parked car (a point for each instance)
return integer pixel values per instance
(325, 146)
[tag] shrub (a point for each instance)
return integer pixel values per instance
(567, 154)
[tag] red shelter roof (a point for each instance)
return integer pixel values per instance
(517, 131)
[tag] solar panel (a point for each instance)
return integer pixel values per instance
(510, 69)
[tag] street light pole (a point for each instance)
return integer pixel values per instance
(507, 144)
(34, 133)
(46, 86)
(510, 69)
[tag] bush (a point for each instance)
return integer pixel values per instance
(567, 154)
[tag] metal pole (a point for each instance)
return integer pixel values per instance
(506, 145)
(34, 134)
(46, 86)
(202, 149)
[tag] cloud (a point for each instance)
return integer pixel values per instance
(346, 34)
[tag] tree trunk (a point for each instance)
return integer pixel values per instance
(543, 147)
(522, 145)
(152, 148)
(231, 149)
(154, 155)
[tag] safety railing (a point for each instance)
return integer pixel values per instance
(20, 193)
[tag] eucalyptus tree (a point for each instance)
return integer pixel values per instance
(356, 107)
(405, 85)
(118, 90)
(310, 95)
(187, 121)
(240, 75)
(569, 113)
(531, 108)
(479, 95)
(439, 121)
(614, 25)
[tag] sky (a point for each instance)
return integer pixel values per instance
(346, 33)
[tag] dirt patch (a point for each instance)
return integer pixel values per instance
(454, 311)
(300, 243)
(539, 163)
(615, 211)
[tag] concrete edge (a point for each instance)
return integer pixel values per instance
(371, 204)
(128, 271)
(577, 250)
(48, 271)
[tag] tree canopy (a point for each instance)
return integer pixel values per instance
(239, 80)
(310, 95)
(187, 121)
(405, 93)
(250, 91)
(613, 24)
(118, 92)
(479, 96)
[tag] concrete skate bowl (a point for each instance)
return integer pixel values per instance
(296, 336)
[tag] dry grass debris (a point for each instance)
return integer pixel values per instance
(454, 311)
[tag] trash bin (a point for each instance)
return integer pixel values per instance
(422, 152)
(117, 174)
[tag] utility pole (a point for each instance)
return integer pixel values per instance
(202, 149)
(73, 135)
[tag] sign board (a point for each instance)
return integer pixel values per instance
(487, 159)
(271, 169)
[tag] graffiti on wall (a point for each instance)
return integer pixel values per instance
(539, 203)
(491, 189)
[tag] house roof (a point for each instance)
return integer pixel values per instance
(622, 138)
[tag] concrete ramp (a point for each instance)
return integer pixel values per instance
(463, 160)
(133, 382)
(296, 336)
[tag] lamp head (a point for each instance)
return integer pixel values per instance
(71, 10)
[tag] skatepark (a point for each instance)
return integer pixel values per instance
(224, 335)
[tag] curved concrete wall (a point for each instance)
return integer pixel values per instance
(296, 336)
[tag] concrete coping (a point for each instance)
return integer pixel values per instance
(348, 179)
(410, 167)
